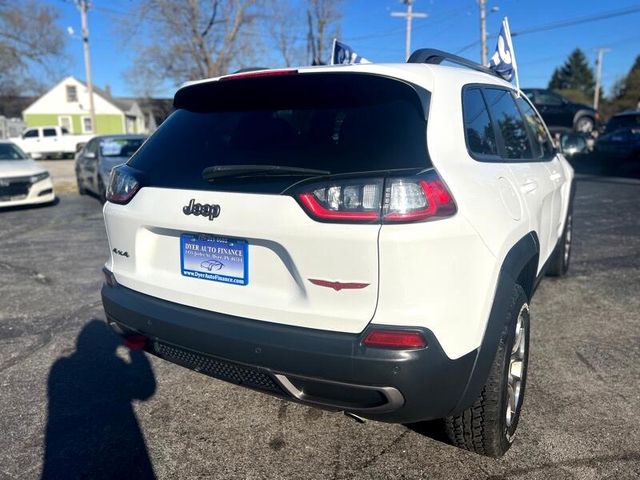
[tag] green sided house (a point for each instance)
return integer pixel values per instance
(67, 105)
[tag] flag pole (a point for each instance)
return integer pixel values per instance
(333, 50)
(513, 54)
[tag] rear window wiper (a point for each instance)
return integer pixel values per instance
(221, 171)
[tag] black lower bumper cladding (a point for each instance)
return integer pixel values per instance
(331, 370)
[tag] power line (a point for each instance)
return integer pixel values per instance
(562, 24)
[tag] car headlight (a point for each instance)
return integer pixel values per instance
(38, 177)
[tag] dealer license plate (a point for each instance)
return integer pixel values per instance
(214, 258)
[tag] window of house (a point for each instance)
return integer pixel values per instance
(477, 124)
(72, 93)
(87, 127)
(65, 123)
(510, 124)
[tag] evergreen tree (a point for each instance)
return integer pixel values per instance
(575, 74)
(628, 91)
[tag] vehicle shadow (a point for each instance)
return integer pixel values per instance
(92, 430)
(17, 208)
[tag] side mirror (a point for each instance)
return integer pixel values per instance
(89, 155)
(573, 144)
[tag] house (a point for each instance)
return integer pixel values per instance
(67, 105)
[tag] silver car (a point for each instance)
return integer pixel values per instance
(99, 156)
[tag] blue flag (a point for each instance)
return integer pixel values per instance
(343, 54)
(503, 61)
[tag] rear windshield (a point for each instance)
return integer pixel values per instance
(119, 147)
(342, 123)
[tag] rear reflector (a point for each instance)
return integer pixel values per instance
(394, 339)
(135, 342)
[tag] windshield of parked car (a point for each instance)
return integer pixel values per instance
(9, 151)
(340, 123)
(119, 147)
(623, 122)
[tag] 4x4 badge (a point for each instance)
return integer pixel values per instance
(210, 210)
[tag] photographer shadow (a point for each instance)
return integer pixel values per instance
(92, 430)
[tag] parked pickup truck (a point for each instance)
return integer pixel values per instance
(53, 141)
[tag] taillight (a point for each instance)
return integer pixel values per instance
(412, 201)
(377, 200)
(346, 200)
(394, 339)
(123, 185)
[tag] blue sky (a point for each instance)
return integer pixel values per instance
(368, 27)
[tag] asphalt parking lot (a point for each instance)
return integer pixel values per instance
(67, 390)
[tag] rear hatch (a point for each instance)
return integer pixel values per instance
(219, 222)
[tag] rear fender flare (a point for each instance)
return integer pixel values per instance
(517, 263)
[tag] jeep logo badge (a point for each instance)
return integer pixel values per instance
(201, 209)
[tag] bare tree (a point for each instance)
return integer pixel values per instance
(286, 27)
(29, 40)
(191, 39)
(323, 19)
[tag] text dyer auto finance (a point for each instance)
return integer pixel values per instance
(214, 258)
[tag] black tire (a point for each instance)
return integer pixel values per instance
(484, 427)
(558, 265)
(102, 191)
(81, 189)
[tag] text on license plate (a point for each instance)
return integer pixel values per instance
(214, 258)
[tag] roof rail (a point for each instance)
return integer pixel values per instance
(436, 57)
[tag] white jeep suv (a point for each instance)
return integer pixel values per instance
(364, 238)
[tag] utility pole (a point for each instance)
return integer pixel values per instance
(483, 31)
(596, 94)
(83, 6)
(409, 16)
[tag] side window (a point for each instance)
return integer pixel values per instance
(548, 99)
(92, 147)
(542, 146)
(477, 124)
(33, 133)
(510, 124)
(48, 132)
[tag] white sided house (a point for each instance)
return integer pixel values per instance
(67, 105)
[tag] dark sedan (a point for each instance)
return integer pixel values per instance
(621, 137)
(560, 114)
(99, 156)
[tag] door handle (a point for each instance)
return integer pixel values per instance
(555, 176)
(529, 186)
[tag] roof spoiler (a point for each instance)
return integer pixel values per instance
(436, 57)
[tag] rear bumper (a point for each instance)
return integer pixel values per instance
(327, 369)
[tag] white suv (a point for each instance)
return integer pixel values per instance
(363, 238)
